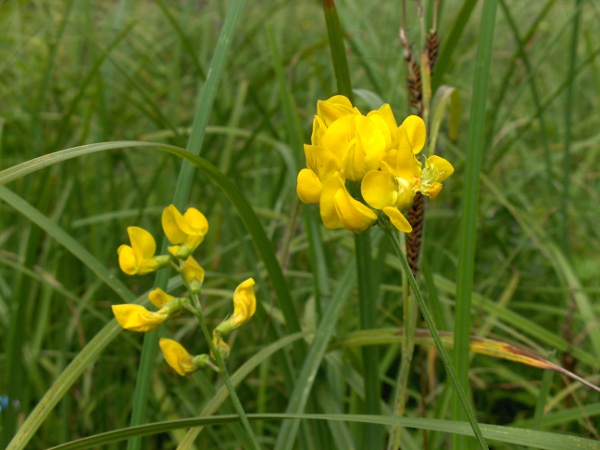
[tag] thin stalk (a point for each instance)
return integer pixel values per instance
(462, 396)
(411, 311)
(216, 354)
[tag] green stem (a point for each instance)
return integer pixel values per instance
(462, 396)
(216, 354)
(408, 347)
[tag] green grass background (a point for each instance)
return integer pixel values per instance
(75, 73)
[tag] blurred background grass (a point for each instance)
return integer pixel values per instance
(73, 73)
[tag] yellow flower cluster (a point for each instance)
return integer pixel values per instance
(186, 232)
(373, 156)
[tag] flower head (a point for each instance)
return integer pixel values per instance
(373, 153)
(139, 259)
(244, 307)
(137, 318)
(185, 231)
(194, 273)
(179, 359)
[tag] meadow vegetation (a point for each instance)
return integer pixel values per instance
(77, 73)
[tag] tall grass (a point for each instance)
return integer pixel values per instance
(124, 80)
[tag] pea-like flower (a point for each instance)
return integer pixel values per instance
(185, 231)
(193, 273)
(137, 318)
(244, 306)
(179, 359)
(139, 259)
(392, 188)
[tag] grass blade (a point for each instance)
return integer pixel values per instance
(469, 216)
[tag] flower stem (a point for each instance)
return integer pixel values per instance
(408, 346)
(216, 353)
(435, 335)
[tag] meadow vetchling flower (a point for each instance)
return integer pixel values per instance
(244, 307)
(373, 153)
(194, 274)
(139, 259)
(179, 359)
(185, 231)
(137, 318)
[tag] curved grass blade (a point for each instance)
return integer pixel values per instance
(506, 435)
(481, 346)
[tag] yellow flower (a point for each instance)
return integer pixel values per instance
(339, 209)
(137, 318)
(221, 346)
(244, 303)
(244, 307)
(393, 187)
(186, 231)
(159, 298)
(139, 259)
(179, 359)
(194, 273)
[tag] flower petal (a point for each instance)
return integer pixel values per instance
(416, 132)
(338, 135)
(137, 318)
(333, 108)
(379, 189)
(142, 242)
(193, 271)
(326, 203)
(244, 303)
(308, 187)
(353, 215)
(170, 224)
(398, 219)
(177, 356)
(158, 297)
(371, 142)
(127, 260)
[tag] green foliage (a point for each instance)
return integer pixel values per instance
(117, 86)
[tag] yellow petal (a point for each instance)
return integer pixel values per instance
(197, 220)
(333, 108)
(353, 215)
(177, 356)
(382, 126)
(321, 161)
(326, 204)
(371, 142)
(158, 297)
(354, 161)
(127, 260)
(193, 271)
(308, 187)
(244, 303)
(170, 224)
(379, 189)
(137, 318)
(406, 166)
(416, 132)
(440, 167)
(338, 135)
(142, 242)
(319, 128)
(398, 219)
